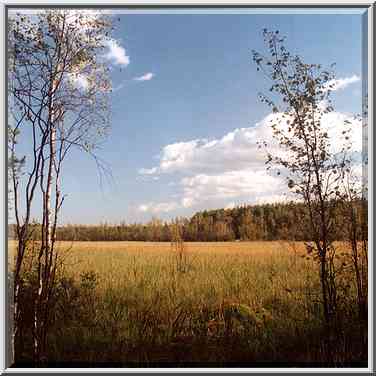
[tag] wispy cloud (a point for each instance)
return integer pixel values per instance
(145, 77)
(117, 88)
(116, 53)
(148, 171)
(157, 208)
(341, 83)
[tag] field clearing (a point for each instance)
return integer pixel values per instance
(238, 247)
(144, 302)
(246, 272)
(116, 257)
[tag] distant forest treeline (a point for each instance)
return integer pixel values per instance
(249, 222)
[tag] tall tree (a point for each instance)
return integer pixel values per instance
(58, 99)
(312, 170)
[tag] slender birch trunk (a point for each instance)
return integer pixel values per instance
(46, 248)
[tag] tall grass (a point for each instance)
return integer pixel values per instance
(244, 303)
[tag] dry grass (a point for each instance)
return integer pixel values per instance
(140, 300)
(253, 267)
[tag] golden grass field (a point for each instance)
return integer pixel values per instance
(143, 295)
(254, 273)
(220, 264)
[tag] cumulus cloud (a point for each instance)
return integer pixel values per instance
(146, 77)
(245, 185)
(231, 170)
(116, 53)
(242, 186)
(341, 83)
(238, 149)
(335, 123)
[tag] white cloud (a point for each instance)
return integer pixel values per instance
(341, 83)
(244, 185)
(231, 170)
(157, 208)
(116, 53)
(335, 124)
(238, 150)
(147, 171)
(118, 87)
(146, 77)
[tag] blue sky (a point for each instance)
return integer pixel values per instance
(202, 86)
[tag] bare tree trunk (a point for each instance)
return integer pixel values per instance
(355, 232)
(44, 267)
(323, 277)
(50, 180)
